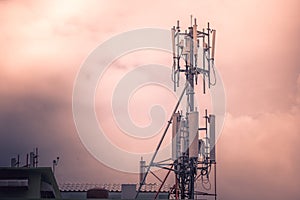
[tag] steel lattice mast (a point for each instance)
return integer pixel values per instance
(192, 156)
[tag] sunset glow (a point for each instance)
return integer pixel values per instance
(45, 43)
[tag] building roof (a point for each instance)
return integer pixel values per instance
(83, 187)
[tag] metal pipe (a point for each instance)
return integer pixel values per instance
(215, 181)
(155, 176)
(208, 52)
(163, 182)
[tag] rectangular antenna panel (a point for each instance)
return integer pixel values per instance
(193, 125)
(173, 41)
(212, 137)
(195, 39)
(142, 171)
(213, 44)
(31, 164)
(175, 136)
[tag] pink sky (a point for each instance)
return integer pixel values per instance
(43, 44)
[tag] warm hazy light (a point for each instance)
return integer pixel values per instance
(44, 43)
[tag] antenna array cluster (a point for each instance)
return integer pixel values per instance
(31, 160)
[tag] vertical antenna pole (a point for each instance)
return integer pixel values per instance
(18, 163)
(203, 61)
(215, 181)
(36, 157)
(174, 57)
(176, 188)
(206, 122)
(178, 56)
(206, 136)
(53, 167)
(27, 160)
(208, 52)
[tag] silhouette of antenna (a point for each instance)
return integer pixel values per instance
(31, 159)
(54, 164)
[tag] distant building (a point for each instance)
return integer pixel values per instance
(28, 183)
(40, 183)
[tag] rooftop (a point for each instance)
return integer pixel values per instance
(83, 187)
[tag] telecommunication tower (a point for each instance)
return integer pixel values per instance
(192, 157)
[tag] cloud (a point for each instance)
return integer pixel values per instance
(258, 156)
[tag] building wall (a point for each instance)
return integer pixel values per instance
(33, 190)
(73, 195)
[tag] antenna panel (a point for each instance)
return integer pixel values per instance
(193, 125)
(212, 137)
(175, 136)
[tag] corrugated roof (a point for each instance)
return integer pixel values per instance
(83, 187)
